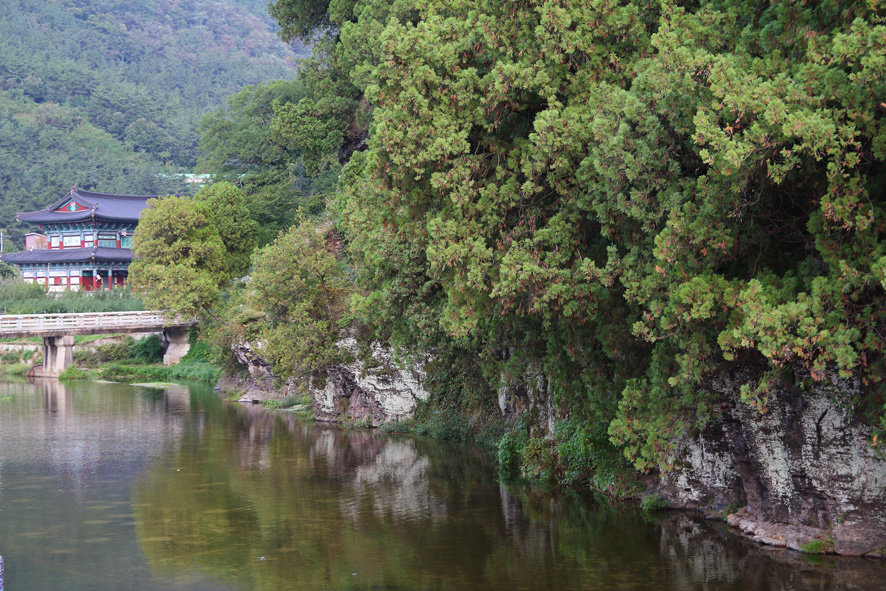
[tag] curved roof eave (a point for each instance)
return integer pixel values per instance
(105, 206)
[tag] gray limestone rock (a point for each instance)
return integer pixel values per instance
(803, 470)
(372, 391)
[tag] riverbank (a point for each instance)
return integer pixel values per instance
(123, 358)
(800, 476)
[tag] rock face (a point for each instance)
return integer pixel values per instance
(802, 471)
(530, 396)
(258, 384)
(372, 392)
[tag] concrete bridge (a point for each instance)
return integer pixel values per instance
(58, 332)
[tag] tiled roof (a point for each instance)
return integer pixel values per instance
(68, 255)
(104, 206)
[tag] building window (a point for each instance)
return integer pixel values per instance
(126, 241)
(108, 240)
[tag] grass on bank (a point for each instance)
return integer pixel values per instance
(126, 360)
(14, 369)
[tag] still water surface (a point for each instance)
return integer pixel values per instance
(112, 486)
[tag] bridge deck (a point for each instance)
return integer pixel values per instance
(45, 325)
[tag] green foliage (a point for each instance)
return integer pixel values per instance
(653, 502)
(117, 350)
(195, 372)
(73, 373)
(179, 263)
(7, 271)
(406, 426)
(283, 403)
(585, 455)
(510, 452)
(16, 369)
(17, 297)
(230, 215)
(445, 424)
(491, 431)
(200, 352)
(146, 350)
(238, 144)
(303, 19)
(332, 120)
(301, 290)
(628, 198)
(818, 547)
(236, 322)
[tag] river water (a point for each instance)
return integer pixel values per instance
(114, 486)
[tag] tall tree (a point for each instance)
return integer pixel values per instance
(238, 144)
(302, 291)
(230, 215)
(179, 262)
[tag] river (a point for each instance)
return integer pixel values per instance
(114, 486)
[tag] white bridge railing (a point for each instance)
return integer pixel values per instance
(110, 320)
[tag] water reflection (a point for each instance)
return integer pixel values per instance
(114, 486)
(306, 507)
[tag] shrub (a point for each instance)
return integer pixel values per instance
(146, 350)
(445, 424)
(200, 352)
(72, 372)
(818, 547)
(14, 370)
(510, 452)
(397, 427)
(653, 502)
(286, 402)
(114, 351)
(195, 372)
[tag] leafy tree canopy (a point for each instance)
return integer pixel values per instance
(302, 291)
(629, 198)
(238, 144)
(230, 216)
(179, 262)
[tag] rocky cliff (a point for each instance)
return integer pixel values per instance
(800, 475)
(380, 388)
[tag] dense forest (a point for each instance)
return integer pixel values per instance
(109, 94)
(616, 203)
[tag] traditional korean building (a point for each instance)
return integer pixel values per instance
(87, 241)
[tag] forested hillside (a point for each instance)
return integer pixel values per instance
(108, 94)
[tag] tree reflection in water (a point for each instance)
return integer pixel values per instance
(266, 502)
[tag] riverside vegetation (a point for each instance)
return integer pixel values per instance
(615, 202)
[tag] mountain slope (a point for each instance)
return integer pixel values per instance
(107, 93)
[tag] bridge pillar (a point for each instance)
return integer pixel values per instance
(58, 354)
(175, 344)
